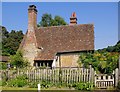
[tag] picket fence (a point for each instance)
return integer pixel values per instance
(65, 75)
(55, 75)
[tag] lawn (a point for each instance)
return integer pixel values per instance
(17, 88)
(25, 89)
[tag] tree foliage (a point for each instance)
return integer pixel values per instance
(104, 62)
(18, 61)
(11, 41)
(47, 20)
(115, 48)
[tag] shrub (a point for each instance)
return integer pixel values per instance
(20, 81)
(33, 84)
(102, 62)
(84, 86)
(45, 84)
(4, 78)
(3, 66)
(2, 82)
(18, 61)
(118, 85)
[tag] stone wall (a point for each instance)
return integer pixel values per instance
(30, 52)
(29, 48)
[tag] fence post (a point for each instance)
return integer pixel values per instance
(119, 69)
(90, 76)
(93, 75)
(116, 77)
(119, 62)
(95, 78)
(7, 73)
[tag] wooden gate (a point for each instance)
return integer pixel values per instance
(105, 80)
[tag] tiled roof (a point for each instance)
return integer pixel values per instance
(64, 38)
(4, 58)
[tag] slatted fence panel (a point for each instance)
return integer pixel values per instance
(56, 75)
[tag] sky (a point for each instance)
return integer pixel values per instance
(104, 16)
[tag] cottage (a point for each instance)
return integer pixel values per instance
(48, 45)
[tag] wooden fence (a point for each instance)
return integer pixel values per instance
(65, 75)
(56, 75)
(104, 81)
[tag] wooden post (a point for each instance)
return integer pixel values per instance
(93, 75)
(119, 69)
(47, 65)
(60, 70)
(40, 64)
(116, 77)
(90, 75)
(95, 78)
(119, 63)
(36, 65)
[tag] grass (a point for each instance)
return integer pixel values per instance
(17, 88)
(26, 88)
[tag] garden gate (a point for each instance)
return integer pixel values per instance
(105, 80)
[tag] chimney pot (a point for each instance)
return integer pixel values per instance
(73, 19)
(32, 7)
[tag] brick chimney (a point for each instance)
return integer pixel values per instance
(32, 18)
(73, 19)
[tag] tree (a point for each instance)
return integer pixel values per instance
(14, 41)
(102, 62)
(18, 61)
(115, 48)
(57, 21)
(4, 34)
(47, 20)
(11, 41)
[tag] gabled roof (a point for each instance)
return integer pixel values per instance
(64, 38)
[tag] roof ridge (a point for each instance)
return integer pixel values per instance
(64, 25)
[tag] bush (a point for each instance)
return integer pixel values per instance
(118, 85)
(45, 84)
(18, 61)
(2, 82)
(4, 78)
(102, 62)
(3, 66)
(33, 84)
(20, 81)
(84, 86)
